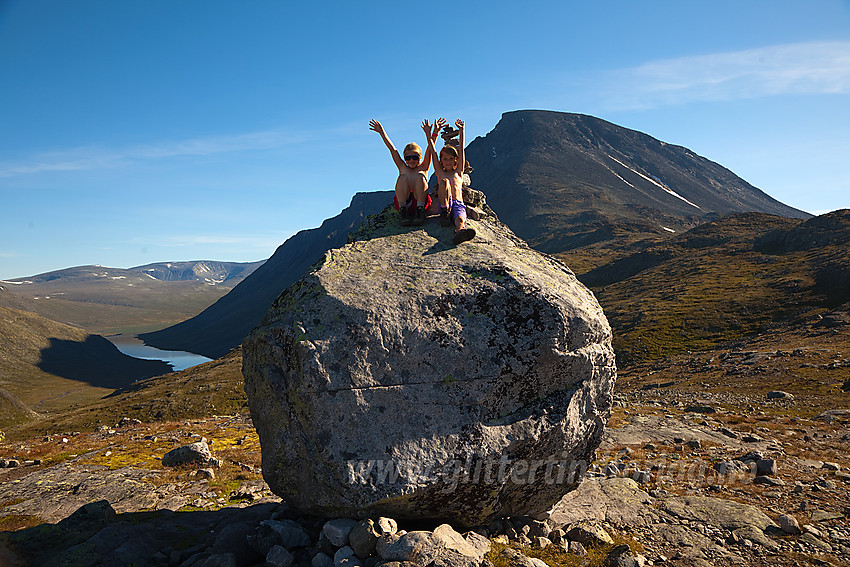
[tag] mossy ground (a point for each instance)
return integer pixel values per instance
(555, 556)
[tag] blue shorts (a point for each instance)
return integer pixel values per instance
(457, 209)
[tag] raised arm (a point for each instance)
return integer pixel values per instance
(431, 137)
(375, 126)
(432, 152)
(461, 153)
(426, 159)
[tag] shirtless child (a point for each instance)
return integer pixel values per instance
(449, 171)
(411, 187)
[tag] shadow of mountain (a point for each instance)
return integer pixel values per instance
(97, 362)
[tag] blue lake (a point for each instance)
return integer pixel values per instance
(135, 347)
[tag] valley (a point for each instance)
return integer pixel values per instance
(115, 300)
(731, 327)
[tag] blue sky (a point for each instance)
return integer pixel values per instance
(136, 132)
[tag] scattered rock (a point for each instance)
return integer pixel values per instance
(833, 415)
(700, 409)
(779, 395)
(516, 559)
(589, 535)
(576, 548)
(766, 467)
(207, 473)
(323, 560)
(726, 514)
(728, 432)
(825, 516)
(363, 538)
(402, 548)
(192, 453)
(809, 539)
(289, 534)
(541, 542)
(344, 556)
(769, 481)
(279, 556)
(789, 524)
(620, 556)
(752, 456)
(337, 530)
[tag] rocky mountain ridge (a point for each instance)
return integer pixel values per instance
(562, 181)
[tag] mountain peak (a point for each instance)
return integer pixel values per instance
(547, 172)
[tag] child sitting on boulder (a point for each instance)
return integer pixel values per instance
(449, 171)
(411, 187)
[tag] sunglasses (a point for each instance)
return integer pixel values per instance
(408, 158)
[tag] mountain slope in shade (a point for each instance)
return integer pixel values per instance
(48, 366)
(223, 325)
(562, 181)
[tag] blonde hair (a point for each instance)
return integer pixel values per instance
(413, 146)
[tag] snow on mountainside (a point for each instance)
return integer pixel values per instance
(209, 272)
(562, 181)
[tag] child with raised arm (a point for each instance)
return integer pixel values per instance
(449, 170)
(411, 187)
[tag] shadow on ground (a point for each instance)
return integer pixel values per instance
(97, 362)
(96, 535)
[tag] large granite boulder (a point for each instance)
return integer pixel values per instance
(408, 377)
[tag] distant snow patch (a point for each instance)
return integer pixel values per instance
(16, 283)
(150, 276)
(118, 277)
(654, 182)
(668, 229)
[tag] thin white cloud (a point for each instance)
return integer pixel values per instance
(183, 240)
(792, 69)
(87, 158)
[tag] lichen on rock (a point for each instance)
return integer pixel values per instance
(407, 376)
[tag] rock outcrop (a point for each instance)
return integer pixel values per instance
(409, 377)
